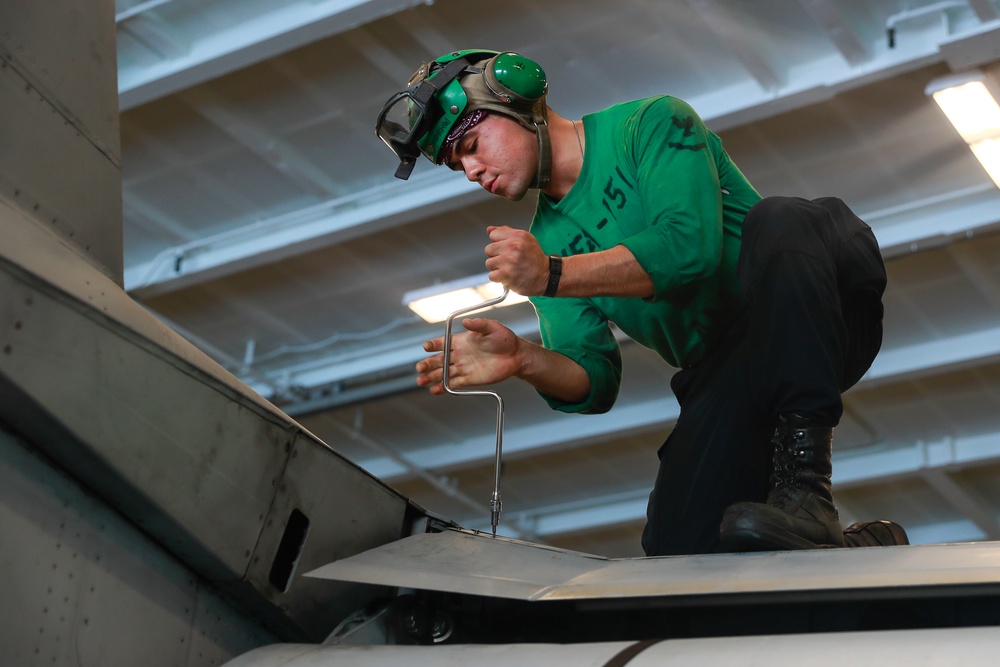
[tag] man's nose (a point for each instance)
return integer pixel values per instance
(472, 170)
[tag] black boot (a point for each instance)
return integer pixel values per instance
(874, 534)
(799, 513)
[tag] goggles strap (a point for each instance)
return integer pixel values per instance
(428, 87)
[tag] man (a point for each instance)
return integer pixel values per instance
(771, 308)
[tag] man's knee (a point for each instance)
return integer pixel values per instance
(843, 218)
(769, 212)
(786, 224)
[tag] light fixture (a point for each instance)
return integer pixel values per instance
(969, 104)
(437, 302)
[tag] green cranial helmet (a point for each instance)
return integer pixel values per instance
(443, 91)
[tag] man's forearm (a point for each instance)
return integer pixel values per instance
(552, 373)
(612, 272)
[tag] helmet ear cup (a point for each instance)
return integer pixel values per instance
(515, 78)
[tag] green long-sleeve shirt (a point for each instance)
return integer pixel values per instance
(657, 181)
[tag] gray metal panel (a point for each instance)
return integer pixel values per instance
(34, 252)
(60, 155)
(477, 564)
(166, 436)
(83, 586)
(187, 462)
(68, 51)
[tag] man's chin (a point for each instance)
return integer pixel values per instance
(516, 195)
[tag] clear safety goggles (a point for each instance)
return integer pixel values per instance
(406, 116)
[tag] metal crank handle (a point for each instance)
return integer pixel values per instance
(495, 503)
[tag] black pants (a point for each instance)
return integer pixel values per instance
(813, 278)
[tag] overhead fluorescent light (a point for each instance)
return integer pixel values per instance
(967, 101)
(435, 303)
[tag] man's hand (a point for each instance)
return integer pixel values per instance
(487, 354)
(516, 260)
(490, 353)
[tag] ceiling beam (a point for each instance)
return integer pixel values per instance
(268, 241)
(137, 9)
(260, 141)
(876, 464)
(246, 41)
(839, 30)
(287, 235)
(962, 500)
(937, 221)
(984, 10)
(933, 357)
(731, 32)
(978, 271)
(154, 221)
(154, 35)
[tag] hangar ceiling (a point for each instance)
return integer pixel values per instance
(263, 222)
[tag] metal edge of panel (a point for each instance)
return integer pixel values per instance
(461, 561)
(781, 577)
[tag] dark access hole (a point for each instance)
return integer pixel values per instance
(289, 550)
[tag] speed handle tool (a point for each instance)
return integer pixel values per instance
(495, 504)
